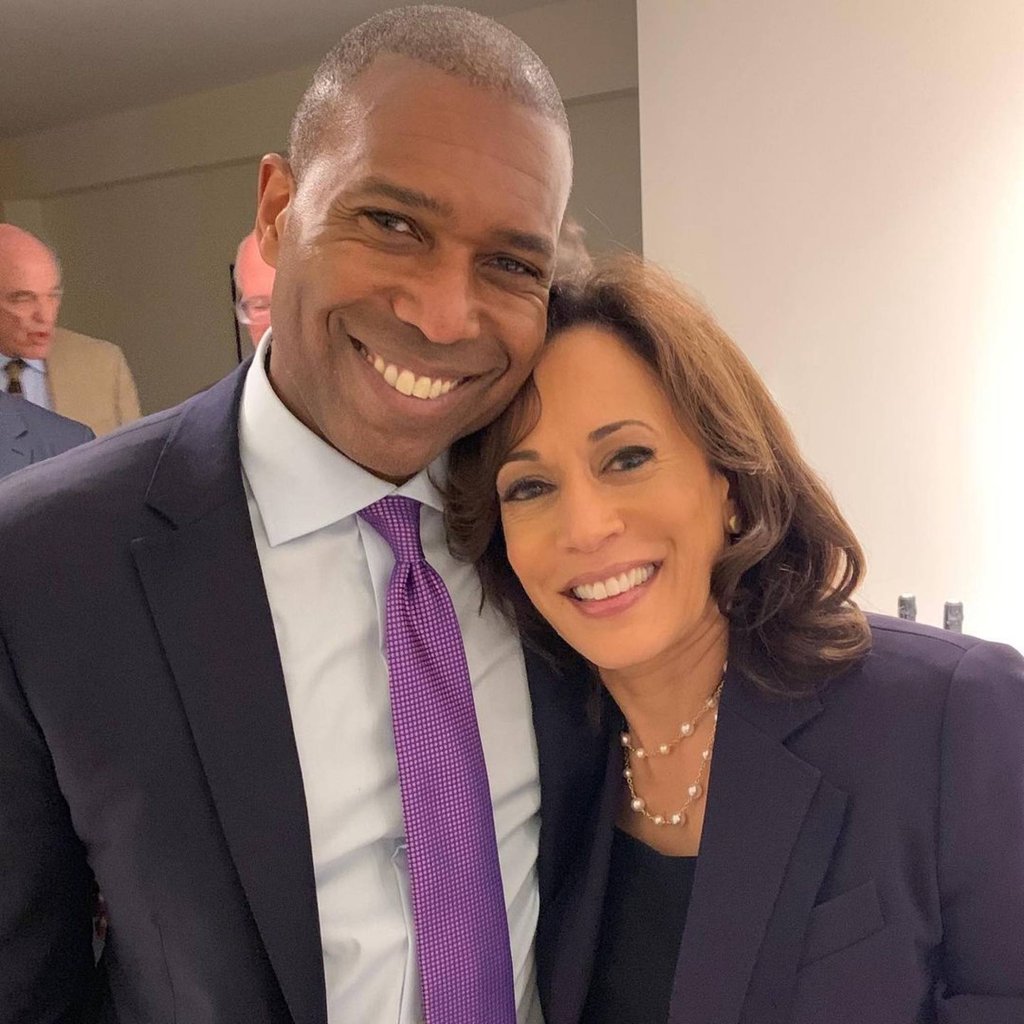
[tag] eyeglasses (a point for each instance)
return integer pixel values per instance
(253, 310)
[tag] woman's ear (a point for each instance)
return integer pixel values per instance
(733, 524)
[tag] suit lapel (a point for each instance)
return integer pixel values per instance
(770, 826)
(202, 579)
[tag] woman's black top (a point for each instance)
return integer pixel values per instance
(644, 912)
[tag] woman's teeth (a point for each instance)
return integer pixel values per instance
(614, 585)
(406, 382)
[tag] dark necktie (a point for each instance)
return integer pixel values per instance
(462, 939)
(13, 370)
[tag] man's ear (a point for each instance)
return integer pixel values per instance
(276, 188)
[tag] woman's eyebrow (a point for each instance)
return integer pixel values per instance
(522, 455)
(610, 428)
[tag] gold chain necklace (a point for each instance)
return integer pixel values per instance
(696, 788)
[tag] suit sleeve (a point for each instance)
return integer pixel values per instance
(46, 957)
(981, 841)
(127, 394)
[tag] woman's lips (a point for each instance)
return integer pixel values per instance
(587, 597)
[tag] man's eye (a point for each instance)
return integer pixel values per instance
(524, 490)
(510, 265)
(629, 458)
(391, 222)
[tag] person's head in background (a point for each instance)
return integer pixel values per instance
(254, 283)
(30, 294)
(413, 227)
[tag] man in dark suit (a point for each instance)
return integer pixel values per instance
(30, 434)
(193, 693)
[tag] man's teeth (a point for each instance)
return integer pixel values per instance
(406, 382)
(614, 585)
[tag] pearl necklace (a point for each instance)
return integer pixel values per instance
(696, 788)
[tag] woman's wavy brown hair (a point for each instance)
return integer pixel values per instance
(785, 583)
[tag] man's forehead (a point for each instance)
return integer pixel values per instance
(400, 96)
(31, 268)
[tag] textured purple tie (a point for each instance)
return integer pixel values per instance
(462, 941)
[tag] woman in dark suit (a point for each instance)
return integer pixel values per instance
(810, 816)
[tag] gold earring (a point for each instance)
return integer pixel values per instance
(734, 524)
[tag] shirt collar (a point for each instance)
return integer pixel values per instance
(36, 364)
(299, 482)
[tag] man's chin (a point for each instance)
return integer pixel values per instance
(36, 351)
(395, 467)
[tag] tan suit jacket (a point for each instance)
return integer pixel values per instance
(89, 381)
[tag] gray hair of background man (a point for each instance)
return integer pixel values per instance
(456, 41)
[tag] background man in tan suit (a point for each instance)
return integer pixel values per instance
(79, 377)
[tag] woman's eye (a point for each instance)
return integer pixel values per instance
(524, 490)
(391, 222)
(626, 459)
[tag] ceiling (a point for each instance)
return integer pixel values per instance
(67, 60)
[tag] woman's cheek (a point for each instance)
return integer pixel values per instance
(527, 561)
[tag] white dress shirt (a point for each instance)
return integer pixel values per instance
(326, 573)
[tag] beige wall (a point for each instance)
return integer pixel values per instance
(844, 183)
(606, 189)
(146, 206)
(146, 266)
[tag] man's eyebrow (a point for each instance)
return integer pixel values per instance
(377, 186)
(609, 428)
(525, 241)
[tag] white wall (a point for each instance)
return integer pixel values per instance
(844, 183)
(146, 206)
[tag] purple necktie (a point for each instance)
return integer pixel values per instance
(462, 941)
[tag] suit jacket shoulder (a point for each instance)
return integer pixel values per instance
(30, 434)
(87, 487)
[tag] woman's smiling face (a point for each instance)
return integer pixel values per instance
(613, 516)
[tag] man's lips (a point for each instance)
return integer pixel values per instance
(409, 382)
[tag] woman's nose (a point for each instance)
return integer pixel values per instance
(589, 518)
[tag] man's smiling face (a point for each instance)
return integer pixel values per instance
(413, 259)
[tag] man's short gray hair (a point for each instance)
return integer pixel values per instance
(459, 42)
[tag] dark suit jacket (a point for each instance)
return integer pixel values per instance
(29, 433)
(145, 736)
(862, 860)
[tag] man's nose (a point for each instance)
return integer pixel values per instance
(441, 301)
